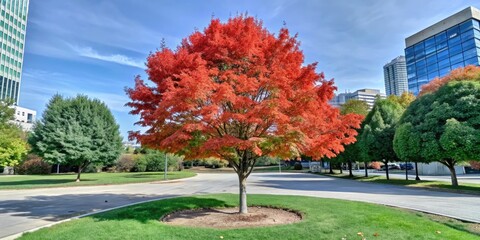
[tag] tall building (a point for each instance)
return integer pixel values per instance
(367, 95)
(451, 43)
(13, 25)
(395, 74)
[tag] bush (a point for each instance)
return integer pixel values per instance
(154, 161)
(297, 166)
(215, 163)
(140, 165)
(125, 163)
(187, 165)
(34, 165)
(376, 165)
(267, 161)
(93, 168)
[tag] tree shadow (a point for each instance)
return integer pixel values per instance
(42, 182)
(157, 210)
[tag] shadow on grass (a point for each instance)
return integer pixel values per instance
(55, 208)
(158, 209)
(435, 185)
(43, 182)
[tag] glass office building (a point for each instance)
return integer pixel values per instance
(13, 25)
(451, 43)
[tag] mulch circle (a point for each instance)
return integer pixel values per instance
(227, 218)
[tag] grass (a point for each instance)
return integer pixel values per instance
(323, 219)
(275, 169)
(87, 179)
(470, 188)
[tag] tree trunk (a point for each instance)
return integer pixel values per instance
(243, 194)
(330, 166)
(406, 171)
(386, 169)
(58, 168)
(80, 169)
(341, 168)
(78, 174)
(453, 174)
(350, 174)
(417, 178)
(450, 163)
(366, 169)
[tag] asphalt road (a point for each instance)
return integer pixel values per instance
(22, 210)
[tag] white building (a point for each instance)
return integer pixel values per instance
(367, 95)
(436, 168)
(25, 118)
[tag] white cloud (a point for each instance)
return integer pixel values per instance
(115, 58)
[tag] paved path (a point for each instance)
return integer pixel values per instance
(22, 210)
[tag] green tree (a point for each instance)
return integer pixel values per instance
(352, 151)
(7, 112)
(77, 131)
(376, 139)
(404, 100)
(407, 145)
(444, 126)
(354, 106)
(13, 147)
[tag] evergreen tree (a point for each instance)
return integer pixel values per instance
(77, 131)
(376, 139)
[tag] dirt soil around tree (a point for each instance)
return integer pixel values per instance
(228, 218)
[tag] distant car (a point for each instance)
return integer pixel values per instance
(409, 166)
(391, 166)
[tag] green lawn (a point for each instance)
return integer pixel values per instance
(275, 169)
(87, 179)
(470, 188)
(323, 219)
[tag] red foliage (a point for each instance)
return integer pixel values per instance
(470, 72)
(475, 165)
(376, 165)
(237, 87)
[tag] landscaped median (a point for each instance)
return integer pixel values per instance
(321, 219)
(88, 179)
(469, 188)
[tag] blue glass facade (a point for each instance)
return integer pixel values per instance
(436, 56)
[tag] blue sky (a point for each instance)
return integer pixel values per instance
(96, 47)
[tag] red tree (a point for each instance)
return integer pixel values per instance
(470, 73)
(236, 91)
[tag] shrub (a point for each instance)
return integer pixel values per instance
(125, 163)
(34, 165)
(215, 163)
(376, 165)
(140, 165)
(297, 166)
(267, 161)
(93, 168)
(154, 161)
